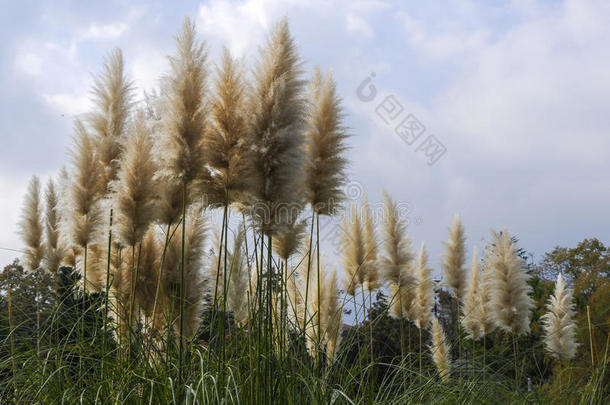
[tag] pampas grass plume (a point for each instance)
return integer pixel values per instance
(134, 191)
(424, 292)
(440, 350)
(509, 300)
(30, 225)
(112, 98)
(85, 215)
(326, 138)
(227, 142)
(454, 258)
(54, 250)
(558, 323)
(371, 271)
(277, 109)
(353, 251)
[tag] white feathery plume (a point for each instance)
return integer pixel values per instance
(454, 259)
(509, 301)
(353, 251)
(333, 311)
(134, 190)
(396, 261)
(326, 138)
(227, 142)
(424, 293)
(54, 250)
(112, 98)
(30, 225)
(440, 350)
(85, 217)
(180, 143)
(558, 323)
(472, 302)
(238, 279)
(371, 271)
(277, 108)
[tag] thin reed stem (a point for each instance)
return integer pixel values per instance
(181, 338)
(12, 339)
(308, 271)
(319, 286)
(106, 292)
(590, 337)
(159, 274)
(224, 284)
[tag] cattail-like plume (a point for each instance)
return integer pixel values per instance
(424, 292)
(324, 312)
(289, 240)
(54, 250)
(134, 191)
(558, 323)
(64, 209)
(396, 261)
(184, 109)
(371, 271)
(326, 138)
(193, 285)
(277, 106)
(354, 251)
(441, 352)
(333, 311)
(30, 226)
(227, 142)
(454, 258)
(184, 115)
(148, 268)
(314, 319)
(85, 217)
(509, 300)
(483, 316)
(472, 301)
(238, 279)
(477, 320)
(112, 94)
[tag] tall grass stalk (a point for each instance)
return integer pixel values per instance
(107, 290)
(181, 335)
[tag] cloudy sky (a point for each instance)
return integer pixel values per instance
(515, 92)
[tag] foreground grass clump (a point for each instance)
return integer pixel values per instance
(179, 260)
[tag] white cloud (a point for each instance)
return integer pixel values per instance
(28, 63)
(104, 31)
(239, 25)
(357, 24)
(69, 104)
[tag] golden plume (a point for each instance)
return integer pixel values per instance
(440, 350)
(397, 260)
(134, 190)
(193, 281)
(353, 251)
(85, 215)
(424, 292)
(289, 240)
(509, 300)
(30, 225)
(183, 123)
(371, 271)
(227, 142)
(112, 97)
(326, 138)
(54, 250)
(277, 110)
(454, 258)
